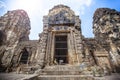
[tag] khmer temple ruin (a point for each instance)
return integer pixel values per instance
(61, 48)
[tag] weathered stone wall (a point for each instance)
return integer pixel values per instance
(41, 49)
(106, 24)
(60, 21)
(95, 53)
(106, 27)
(14, 27)
(30, 46)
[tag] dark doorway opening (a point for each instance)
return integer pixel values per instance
(24, 57)
(61, 50)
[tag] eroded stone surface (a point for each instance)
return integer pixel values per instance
(107, 31)
(61, 48)
(14, 28)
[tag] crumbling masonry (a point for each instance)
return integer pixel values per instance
(60, 43)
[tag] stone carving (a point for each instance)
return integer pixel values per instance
(98, 71)
(15, 27)
(106, 23)
(61, 48)
(107, 30)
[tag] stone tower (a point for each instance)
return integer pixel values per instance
(106, 27)
(14, 28)
(61, 50)
(61, 39)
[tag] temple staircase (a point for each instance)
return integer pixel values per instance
(63, 72)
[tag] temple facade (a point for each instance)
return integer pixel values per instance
(60, 43)
(61, 39)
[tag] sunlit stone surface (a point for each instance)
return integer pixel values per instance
(62, 52)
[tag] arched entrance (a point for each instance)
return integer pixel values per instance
(24, 56)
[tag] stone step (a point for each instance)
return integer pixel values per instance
(65, 77)
(60, 73)
(62, 68)
(14, 76)
(27, 70)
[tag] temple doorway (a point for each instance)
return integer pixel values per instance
(24, 56)
(61, 50)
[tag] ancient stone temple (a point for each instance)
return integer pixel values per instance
(106, 27)
(14, 28)
(61, 48)
(61, 39)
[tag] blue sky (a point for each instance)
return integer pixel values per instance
(36, 9)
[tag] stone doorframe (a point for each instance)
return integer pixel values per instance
(51, 46)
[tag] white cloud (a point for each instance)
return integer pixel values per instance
(88, 2)
(3, 8)
(82, 10)
(74, 4)
(2, 4)
(36, 9)
(41, 7)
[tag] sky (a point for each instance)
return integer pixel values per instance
(36, 9)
